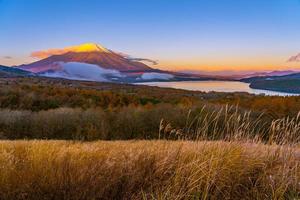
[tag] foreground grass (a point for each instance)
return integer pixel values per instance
(147, 170)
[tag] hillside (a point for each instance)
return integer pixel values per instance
(292, 76)
(287, 83)
(66, 109)
(8, 72)
(281, 85)
(176, 144)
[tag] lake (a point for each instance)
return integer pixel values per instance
(217, 86)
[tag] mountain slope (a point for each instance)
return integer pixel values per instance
(87, 53)
(8, 72)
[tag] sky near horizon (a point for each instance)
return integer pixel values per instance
(181, 35)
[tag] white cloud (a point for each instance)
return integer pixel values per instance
(153, 62)
(131, 58)
(155, 75)
(83, 71)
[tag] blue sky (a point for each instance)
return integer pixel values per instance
(189, 34)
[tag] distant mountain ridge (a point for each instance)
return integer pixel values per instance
(287, 83)
(237, 75)
(295, 75)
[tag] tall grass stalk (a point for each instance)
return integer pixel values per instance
(147, 170)
(231, 124)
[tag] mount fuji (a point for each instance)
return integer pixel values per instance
(94, 62)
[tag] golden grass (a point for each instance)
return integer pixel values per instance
(148, 170)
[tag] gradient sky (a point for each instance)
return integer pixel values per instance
(180, 34)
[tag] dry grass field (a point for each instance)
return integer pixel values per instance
(156, 169)
(65, 139)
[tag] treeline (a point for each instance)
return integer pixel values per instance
(275, 106)
(162, 121)
(74, 123)
(36, 96)
(43, 98)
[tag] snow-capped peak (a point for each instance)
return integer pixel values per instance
(89, 47)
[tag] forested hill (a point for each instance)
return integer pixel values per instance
(288, 83)
(13, 72)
